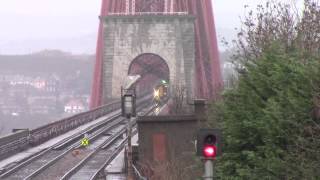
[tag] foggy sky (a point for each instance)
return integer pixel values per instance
(36, 20)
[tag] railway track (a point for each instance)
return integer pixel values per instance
(91, 166)
(35, 167)
(59, 168)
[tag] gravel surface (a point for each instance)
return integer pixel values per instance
(63, 165)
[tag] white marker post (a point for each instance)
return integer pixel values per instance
(208, 169)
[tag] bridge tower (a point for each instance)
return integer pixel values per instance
(174, 40)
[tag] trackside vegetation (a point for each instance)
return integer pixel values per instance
(270, 130)
(271, 117)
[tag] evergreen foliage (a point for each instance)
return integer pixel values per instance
(271, 117)
(269, 130)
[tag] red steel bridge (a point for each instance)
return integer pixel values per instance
(160, 40)
(208, 80)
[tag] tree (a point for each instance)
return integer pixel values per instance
(179, 100)
(277, 21)
(268, 128)
(270, 119)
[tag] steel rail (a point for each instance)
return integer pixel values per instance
(54, 155)
(64, 143)
(76, 145)
(118, 149)
(88, 130)
(58, 145)
(98, 125)
(138, 174)
(104, 151)
(107, 142)
(57, 128)
(110, 140)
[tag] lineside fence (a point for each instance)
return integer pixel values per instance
(23, 139)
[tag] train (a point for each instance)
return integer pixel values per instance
(160, 93)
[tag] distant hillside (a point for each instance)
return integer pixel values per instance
(47, 61)
(78, 44)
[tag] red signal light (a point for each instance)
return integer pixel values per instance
(209, 151)
(208, 143)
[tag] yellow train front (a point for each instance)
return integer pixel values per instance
(160, 93)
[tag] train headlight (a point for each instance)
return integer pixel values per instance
(156, 93)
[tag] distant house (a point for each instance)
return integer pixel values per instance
(74, 106)
(48, 84)
(18, 80)
(12, 106)
(39, 83)
(52, 84)
(42, 106)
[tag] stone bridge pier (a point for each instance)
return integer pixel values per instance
(167, 37)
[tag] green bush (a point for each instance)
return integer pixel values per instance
(269, 130)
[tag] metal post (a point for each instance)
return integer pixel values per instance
(208, 169)
(130, 169)
(129, 132)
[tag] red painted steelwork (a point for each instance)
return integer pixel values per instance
(208, 73)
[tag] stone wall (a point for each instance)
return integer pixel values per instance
(169, 36)
(166, 138)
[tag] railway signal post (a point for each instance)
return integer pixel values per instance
(128, 108)
(208, 147)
